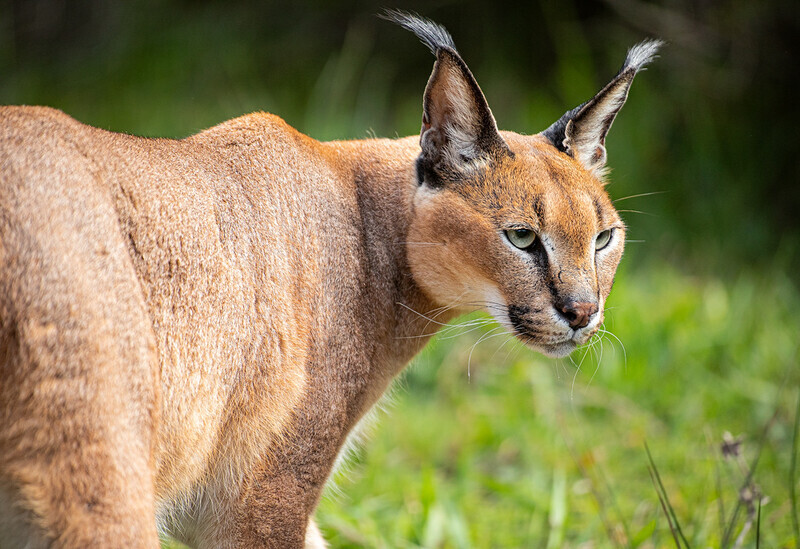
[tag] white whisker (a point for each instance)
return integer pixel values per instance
(637, 212)
(509, 338)
(488, 335)
(638, 196)
(472, 329)
(575, 376)
(624, 352)
(429, 319)
(599, 360)
(575, 366)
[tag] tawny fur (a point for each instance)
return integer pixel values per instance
(189, 329)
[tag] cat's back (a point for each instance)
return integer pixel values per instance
(169, 266)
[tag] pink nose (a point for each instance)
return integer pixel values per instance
(578, 313)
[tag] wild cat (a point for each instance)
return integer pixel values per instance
(189, 329)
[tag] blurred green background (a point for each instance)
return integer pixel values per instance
(488, 444)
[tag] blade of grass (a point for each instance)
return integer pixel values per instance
(718, 484)
(758, 526)
(598, 498)
(614, 505)
(664, 507)
(558, 509)
(748, 480)
(665, 503)
(720, 499)
(792, 477)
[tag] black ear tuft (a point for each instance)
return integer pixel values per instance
(431, 34)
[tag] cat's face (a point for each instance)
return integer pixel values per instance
(518, 226)
(532, 239)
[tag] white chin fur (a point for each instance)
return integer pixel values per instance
(556, 351)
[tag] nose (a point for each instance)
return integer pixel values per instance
(577, 313)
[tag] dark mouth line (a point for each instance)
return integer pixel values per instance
(534, 338)
(526, 326)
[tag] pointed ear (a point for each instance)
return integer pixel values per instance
(459, 133)
(581, 132)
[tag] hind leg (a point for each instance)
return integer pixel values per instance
(75, 512)
(86, 493)
(75, 445)
(78, 391)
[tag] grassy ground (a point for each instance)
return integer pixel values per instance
(509, 449)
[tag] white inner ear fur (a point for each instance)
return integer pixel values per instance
(456, 117)
(586, 135)
(460, 124)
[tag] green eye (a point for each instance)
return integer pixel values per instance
(521, 238)
(603, 239)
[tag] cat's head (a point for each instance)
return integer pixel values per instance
(520, 226)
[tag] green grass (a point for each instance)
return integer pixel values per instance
(531, 452)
